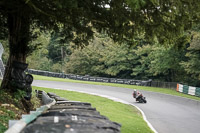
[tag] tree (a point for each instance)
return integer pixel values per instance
(165, 63)
(77, 18)
(192, 62)
(87, 60)
(38, 59)
(140, 70)
(119, 60)
(58, 48)
(103, 57)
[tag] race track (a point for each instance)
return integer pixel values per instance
(166, 113)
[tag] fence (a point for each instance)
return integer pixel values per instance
(170, 85)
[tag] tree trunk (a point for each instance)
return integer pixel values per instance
(19, 36)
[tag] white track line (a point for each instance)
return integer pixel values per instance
(117, 100)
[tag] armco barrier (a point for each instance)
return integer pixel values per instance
(195, 91)
(171, 85)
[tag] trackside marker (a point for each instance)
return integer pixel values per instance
(177, 89)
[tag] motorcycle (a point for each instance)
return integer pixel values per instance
(139, 97)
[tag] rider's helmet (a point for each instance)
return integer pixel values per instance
(135, 93)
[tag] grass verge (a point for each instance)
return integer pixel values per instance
(154, 89)
(127, 115)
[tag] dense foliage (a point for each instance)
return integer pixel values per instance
(12, 108)
(104, 57)
(162, 21)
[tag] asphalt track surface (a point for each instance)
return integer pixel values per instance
(166, 113)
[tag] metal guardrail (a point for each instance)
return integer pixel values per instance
(1, 50)
(2, 68)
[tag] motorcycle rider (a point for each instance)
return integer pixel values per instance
(137, 95)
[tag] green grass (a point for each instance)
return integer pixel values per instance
(154, 89)
(128, 116)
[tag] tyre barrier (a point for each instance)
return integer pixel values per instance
(69, 116)
(195, 91)
(89, 78)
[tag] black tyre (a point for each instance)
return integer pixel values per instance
(145, 101)
(141, 100)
